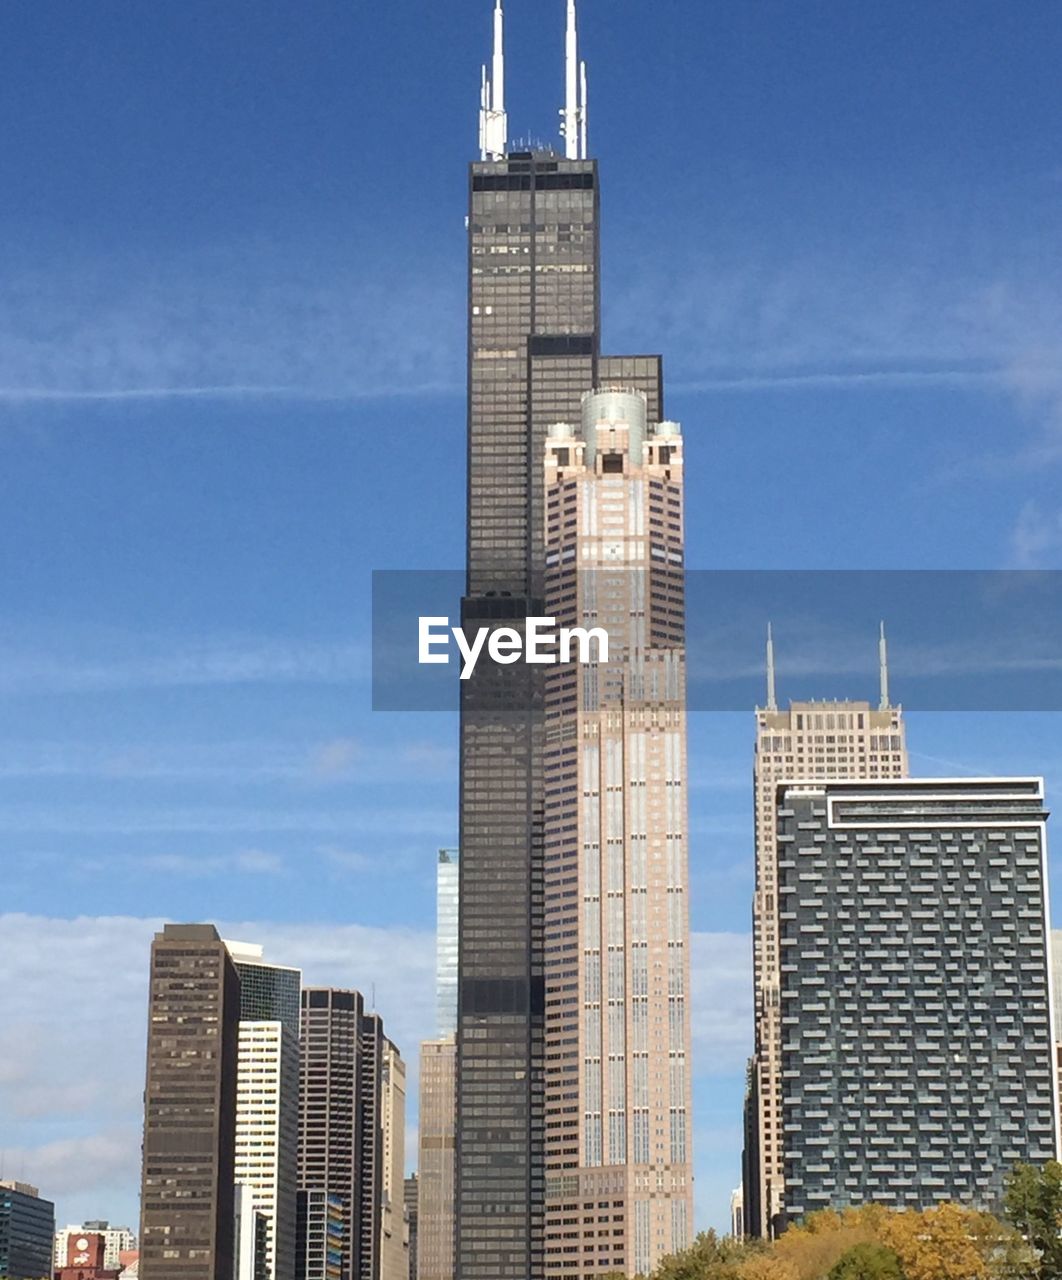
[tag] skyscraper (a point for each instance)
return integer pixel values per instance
(187, 1195)
(438, 1102)
(27, 1229)
(330, 1136)
(618, 1161)
(533, 350)
(917, 1048)
(394, 1229)
(447, 917)
(412, 1203)
(352, 1088)
(267, 1099)
(808, 740)
(370, 1154)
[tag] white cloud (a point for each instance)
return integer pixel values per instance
(221, 321)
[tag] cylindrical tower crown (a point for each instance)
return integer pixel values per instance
(614, 407)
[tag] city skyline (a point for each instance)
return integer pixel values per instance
(153, 806)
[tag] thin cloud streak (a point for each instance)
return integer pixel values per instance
(914, 379)
(73, 395)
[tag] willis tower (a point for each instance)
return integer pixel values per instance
(533, 351)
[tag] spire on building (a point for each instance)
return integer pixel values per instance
(883, 663)
(574, 114)
(493, 122)
(772, 700)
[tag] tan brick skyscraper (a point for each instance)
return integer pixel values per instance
(809, 741)
(618, 1158)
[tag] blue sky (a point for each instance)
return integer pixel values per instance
(231, 385)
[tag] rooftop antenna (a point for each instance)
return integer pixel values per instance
(493, 122)
(883, 663)
(573, 126)
(772, 701)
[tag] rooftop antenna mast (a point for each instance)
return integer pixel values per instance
(883, 663)
(772, 700)
(493, 122)
(574, 115)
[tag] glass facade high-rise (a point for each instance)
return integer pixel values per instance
(267, 1102)
(533, 351)
(27, 1231)
(805, 740)
(917, 1047)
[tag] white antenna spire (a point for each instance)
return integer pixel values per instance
(493, 122)
(883, 662)
(772, 701)
(573, 116)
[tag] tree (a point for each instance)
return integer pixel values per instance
(814, 1246)
(1033, 1205)
(710, 1257)
(951, 1242)
(868, 1261)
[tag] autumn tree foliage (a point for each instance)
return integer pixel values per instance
(948, 1242)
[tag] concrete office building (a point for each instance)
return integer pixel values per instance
(27, 1231)
(618, 1147)
(394, 1227)
(435, 1141)
(917, 1051)
(189, 1157)
(534, 348)
(813, 740)
(267, 1099)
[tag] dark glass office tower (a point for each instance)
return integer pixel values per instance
(187, 1197)
(27, 1229)
(533, 350)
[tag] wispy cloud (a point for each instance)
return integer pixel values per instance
(111, 819)
(1036, 539)
(340, 761)
(219, 322)
(145, 662)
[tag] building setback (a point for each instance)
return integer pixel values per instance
(27, 1232)
(813, 740)
(917, 1055)
(267, 1099)
(533, 350)
(187, 1194)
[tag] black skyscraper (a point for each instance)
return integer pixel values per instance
(533, 351)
